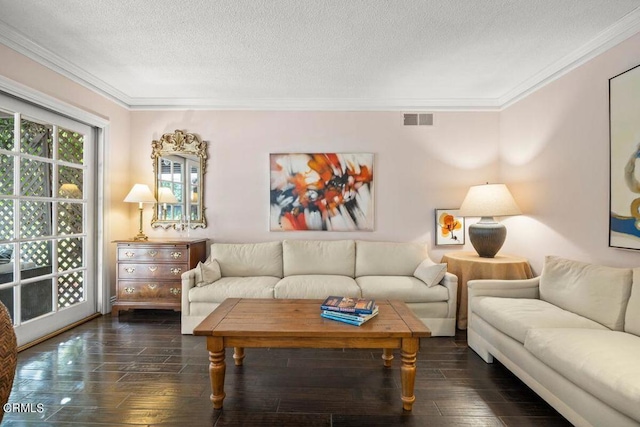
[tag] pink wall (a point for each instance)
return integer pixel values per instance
(417, 169)
(554, 155)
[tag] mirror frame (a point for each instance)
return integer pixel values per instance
(180, 143)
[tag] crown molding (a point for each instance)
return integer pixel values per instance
(615, 34)
(28, 94)
(317, 104)
(620, 31)
(21, 44)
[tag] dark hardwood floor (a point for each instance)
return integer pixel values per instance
(138, 370)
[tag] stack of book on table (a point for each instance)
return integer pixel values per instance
(354, 311)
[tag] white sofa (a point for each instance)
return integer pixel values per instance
(572, 335)
(313, 269)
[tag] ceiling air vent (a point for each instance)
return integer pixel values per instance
(418, 119)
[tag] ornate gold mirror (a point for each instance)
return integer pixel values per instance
(179, 165)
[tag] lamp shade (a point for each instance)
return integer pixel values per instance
(140, 193)
(489, 200)
(70, 191)
(165, 195)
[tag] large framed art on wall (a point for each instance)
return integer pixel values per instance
(321, 191)
(624, 122)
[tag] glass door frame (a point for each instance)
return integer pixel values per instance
(96, 129)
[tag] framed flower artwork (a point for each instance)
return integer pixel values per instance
(449, 227)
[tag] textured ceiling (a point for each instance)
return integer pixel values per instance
(315, 54)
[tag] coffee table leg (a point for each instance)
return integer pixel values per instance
(387, 356)
(410, 348)
(238, 355)
(217, 367)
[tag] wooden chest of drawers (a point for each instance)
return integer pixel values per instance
(149, 273)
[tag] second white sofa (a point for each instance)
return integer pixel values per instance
(572, 335)
(314, 269)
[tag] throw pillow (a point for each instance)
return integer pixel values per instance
(597, 292)
(5, 254)
(430, 272)
(207, 272)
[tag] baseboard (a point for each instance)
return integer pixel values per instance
(58, 332)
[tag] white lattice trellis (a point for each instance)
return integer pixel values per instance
(47, 161)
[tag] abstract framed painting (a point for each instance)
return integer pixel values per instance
(624, 137)
(449, 227)
(321, 191)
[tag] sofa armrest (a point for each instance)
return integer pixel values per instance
(188, 282)
(450, 281)
(525, 288)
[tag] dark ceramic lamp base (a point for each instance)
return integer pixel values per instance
(487, 237)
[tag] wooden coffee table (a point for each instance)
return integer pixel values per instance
(240, 323)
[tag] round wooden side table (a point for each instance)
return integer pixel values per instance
(470, 266)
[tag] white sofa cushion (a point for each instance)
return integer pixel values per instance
(316, 287)
(248, 259)
(337, 257)
(632, 316)
(430, 272)
(597, 292)
(207, 272)
(604, 363)
(403, 288)
(515, 316)
(388, 258)
(234, 287)
(6, 254)
(8, 267)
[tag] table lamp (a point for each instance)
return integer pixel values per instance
(487, 201)
(140, 194)
(70, 191)
(165, 195)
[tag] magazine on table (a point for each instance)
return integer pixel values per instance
(349, 305)
(352, 316)
(332, 315)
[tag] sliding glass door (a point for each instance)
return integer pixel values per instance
(47, 219)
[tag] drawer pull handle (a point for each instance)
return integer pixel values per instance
(129, 290)
(152, 285)
(176, 270)
(130, 270)
(129, 254)
(153, 268)
(176, 255)
(153, 253)
(174, 291)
